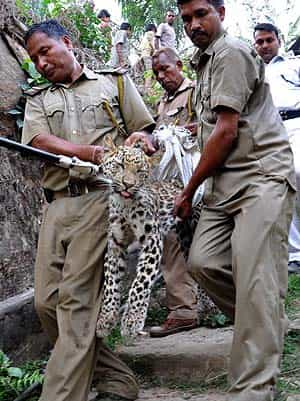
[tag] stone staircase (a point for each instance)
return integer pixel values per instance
(186, 361)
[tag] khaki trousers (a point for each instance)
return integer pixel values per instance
(239, 255)
(68, 278)
(181, 288)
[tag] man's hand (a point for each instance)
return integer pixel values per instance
(97, 154)
(144, 137)
(192, 128)
(183, 206)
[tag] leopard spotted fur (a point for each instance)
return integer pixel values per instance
(140, 209)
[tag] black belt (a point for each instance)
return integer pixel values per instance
(74, 189)
(288, 114)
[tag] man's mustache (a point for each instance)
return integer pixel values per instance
(197, 33)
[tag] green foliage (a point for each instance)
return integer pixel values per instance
(14, 381)
(153, 97)
(114, 338)
(141, 12)
(292, 303)
(86, 22)
(156, 316)
(35, 78)
(289, 379)
(216, 320)
(71, 15)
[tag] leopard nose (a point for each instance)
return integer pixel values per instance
(129, 181)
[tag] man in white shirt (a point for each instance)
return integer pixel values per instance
(165, 35)
(283, 75)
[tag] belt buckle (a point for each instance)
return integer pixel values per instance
(76, 189)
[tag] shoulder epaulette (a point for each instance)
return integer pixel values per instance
(112, 70)
(35, 90)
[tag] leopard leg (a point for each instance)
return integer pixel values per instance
(148, 268)
(114, 268)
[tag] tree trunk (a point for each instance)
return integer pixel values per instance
(20, 192)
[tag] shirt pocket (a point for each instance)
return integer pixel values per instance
(98, 113)
(55, 116)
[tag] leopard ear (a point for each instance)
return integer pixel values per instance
(109, 144)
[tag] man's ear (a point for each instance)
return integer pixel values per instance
(179, 65)
(67, 41)
(221, 12)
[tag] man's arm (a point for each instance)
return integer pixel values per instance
(156, 42)
(144, 136)
(53, 144)
(119, 48)
(215, 152)
(158, 36)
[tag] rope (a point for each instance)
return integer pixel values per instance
(180, 158)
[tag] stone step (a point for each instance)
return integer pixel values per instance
(187, 357)
(166, 394)
(21, 337)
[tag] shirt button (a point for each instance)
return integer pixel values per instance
(72, 109)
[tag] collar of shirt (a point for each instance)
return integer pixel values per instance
(86, 73)
(185, 84)
(201, 56)
(277, 59)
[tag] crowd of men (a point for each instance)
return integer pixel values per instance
(243, 241)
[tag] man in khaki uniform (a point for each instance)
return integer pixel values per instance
(175, 108)
(240, 249)
(69, 116)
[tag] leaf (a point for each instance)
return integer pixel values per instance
(14, 112)
(15, 372)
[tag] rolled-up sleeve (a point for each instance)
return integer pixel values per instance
(235, 74)
(35, 120)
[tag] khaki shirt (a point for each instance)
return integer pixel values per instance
(75, 113)
(178, 108)
(230, 74)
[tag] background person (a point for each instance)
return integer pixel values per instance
(284, 77)
(66, 117)
(105, 26)
(147, 49)
(121, 47)
(239, 252)
(175, 108)
(165, 35)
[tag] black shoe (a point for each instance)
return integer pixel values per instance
(294, 267)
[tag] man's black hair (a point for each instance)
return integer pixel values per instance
(150, 27)
(51, 28)
(125, 26)
(170, 11)
(215, 3)
(266, 26)
(171, 54)
(103, 13)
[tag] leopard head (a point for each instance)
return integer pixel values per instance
(128, 167)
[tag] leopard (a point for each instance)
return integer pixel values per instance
(140, 209)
